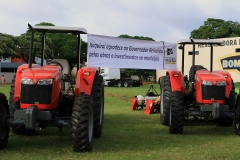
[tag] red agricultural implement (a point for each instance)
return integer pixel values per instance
(38, 98)
(205, 94)
(150, 102)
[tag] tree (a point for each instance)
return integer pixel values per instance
(65, 46)
(136, 37)
(58, 45)
(7, 46)
(216, 28)
(23, 44)
(140, 72)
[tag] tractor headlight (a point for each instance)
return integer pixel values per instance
(44, 82)
(208, 83)
(221, 83)
(26, 81)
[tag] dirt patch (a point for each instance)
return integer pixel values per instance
(122, 97)
(148, 82)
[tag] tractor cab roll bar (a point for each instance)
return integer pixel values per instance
(54, 29)
(210, 42)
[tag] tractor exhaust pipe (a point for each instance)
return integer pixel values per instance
(31, 47)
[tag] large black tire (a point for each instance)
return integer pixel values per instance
(237, 126)
(82, 124)
(4, 111)
(18, 130)
(237, 118)
(98, 105)
(12, 105)
(227, 120)
(231, 100)
(177, 115)
(165, 100)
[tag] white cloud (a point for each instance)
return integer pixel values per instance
(162, 20)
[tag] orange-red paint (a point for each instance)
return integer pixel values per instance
(18, 78)
(35, 74)
(134, 104)
(206, 75)
(84, 82)
(228, 78)
(177, 82)
(149, 106)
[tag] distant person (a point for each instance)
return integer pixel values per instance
(3, 79)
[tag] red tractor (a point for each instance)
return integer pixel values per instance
(204, 94)
(39, 98)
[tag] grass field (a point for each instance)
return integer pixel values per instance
(129, 135)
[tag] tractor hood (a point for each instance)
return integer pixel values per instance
(45, 72)
(209, 76)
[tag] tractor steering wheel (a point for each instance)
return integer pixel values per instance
(54, 62)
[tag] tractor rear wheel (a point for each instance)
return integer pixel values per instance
(237, 126)
(165, 100)
(18, 130)
(12, 105)
(232, 99)
(177, 116)
(4, 111)
(227, 120)
(98, 105)
(237, 119)
(82, 124)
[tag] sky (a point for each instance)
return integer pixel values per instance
(162, 20)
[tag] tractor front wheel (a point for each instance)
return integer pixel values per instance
(98, 104)
(237, 125)
(165, 100)
(21, 130)
(4, 111)
(225, 121)
(177, 116)
(237, 118)
(82, 124)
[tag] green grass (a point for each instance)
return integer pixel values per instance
(129, 135)
(5, 89)
(237, 87)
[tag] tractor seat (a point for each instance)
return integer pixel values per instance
(192, 74)
(65, 65)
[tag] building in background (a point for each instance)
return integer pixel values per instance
(8, 67)
(225, 57)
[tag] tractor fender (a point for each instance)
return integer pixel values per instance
(18, 78)
(149, 107)
(84, 80)
(134, 104)
(229, 85)
(176, 80)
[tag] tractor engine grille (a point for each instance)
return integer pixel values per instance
(36, 94)
(213, 92)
